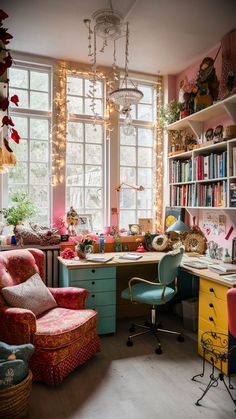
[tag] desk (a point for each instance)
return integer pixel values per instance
(101, 281)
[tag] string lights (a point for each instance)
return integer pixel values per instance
(159, 148)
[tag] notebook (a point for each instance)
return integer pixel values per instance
(231, 277)
(99, 258)
(196, 264)
(131, 256)
(221, 269)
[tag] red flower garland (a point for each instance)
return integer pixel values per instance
(6, 63)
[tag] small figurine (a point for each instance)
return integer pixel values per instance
(72, 219)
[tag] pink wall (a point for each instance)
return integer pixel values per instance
(210, 234)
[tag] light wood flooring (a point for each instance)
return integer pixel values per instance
(134, 383)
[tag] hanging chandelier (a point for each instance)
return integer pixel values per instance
(109, 25)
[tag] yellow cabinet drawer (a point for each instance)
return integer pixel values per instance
(210, 287)
(213, 310)
(205, 326)
(208, 356)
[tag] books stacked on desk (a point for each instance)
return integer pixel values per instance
(131, 256)
(222, 269)
(98, 258)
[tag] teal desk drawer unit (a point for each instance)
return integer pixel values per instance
(101, 284)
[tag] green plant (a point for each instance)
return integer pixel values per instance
(23, 208)
(170, 113)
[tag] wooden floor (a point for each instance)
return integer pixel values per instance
(134, 383)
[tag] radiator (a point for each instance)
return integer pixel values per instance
(51, 262)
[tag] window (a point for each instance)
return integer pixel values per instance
(137, 162)
(33, 121)
(85, 150)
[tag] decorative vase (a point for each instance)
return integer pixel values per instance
(82, 253)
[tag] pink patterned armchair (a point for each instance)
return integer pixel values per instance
(64, 337)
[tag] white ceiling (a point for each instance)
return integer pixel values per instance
(165, 35)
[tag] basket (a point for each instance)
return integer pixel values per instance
(14, 400)
(229, 132)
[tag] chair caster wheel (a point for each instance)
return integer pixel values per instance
(158, 351)
(132, 329)
(180, 338)
(129, 343)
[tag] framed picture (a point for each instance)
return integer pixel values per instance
(134, 229)
(84, 225)
(234, 250)
(172, 215)
(146, 225)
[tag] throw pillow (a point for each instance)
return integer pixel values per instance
(31, 294)
(14, 363)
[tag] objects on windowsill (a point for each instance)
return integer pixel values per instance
(22, 209)
(72, 218)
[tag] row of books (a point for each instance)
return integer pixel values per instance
(181, 171)
(234, 160)
(200, 195)
(213, 166)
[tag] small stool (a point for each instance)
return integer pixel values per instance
(215, 345)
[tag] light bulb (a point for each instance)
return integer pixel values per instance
(128, 128)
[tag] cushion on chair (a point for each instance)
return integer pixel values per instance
(61, 327)
(148, 294)
(31, 294)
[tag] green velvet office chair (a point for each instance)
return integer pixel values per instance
(155, 293)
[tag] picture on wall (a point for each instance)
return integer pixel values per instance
(172, 215)
(84, 225)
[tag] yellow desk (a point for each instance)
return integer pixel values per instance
(101, 281)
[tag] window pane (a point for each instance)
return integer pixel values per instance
(128, 175)
(144, 199)
(39, 101)
(89, 88)
(12, 190)
(145, 214)
(39, 129)
(93, 176)
(145, 177)
(145, 137)
(127, 198)
(93, 198)
(127, 156)
(38, 174)
(93, 107)
(145, 112)
(18, 174)
(39, 81)
(74, 196)
(97, 220)
(18, 78)
(93, 134)
(74, 153)
(144, 157)
(20, 150)
(126, 218)
(75, 86)
(126, 139)
(39, 196)
(21, 125)
(93, 154)
(74, 175)
(75, 105)
(23, 97)
(75, 132)
(39, 151)
(147, 93)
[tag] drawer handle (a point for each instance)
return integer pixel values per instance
(212, 290)
(93, 296)
(93, 271)
(211, 305)
(211, 319)
(93, 282)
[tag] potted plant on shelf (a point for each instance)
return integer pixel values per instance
(170, 113)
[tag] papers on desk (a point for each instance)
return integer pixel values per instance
(196, 264)
(131, 256)
(99, 258)
(231, 277)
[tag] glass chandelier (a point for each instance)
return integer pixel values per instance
(109, 25)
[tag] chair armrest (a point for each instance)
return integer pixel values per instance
(17, 325)
(70, 297)
(137, 279)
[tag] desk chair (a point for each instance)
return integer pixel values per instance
(155, 294)
(218, 346)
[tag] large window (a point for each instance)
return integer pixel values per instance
(33, 121)
(137, 161)
(85, 150)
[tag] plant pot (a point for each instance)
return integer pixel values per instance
(202, 102)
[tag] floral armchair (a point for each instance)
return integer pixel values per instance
(64, 337)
